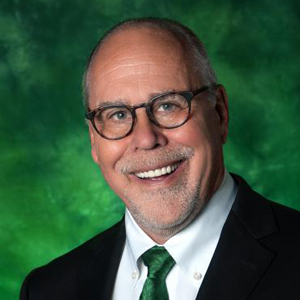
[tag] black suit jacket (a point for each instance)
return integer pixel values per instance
(257, 257)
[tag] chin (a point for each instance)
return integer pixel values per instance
(166, 221)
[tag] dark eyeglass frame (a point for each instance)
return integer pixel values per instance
(188, 95)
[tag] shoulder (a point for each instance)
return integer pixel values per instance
(62, 273)
(286, 216)
(287, 238)
(100, 243)
(264, 216)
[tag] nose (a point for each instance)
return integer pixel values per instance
(146, 135)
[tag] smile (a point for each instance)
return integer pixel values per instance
(158, 172)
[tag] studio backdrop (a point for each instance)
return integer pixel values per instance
(53, 197)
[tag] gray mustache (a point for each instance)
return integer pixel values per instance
(132, 163)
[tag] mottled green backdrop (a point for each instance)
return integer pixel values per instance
(52, 195)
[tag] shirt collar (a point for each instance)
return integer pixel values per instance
(193, 247)
(204, 231)
(137, 240)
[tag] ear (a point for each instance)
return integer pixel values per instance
(221, 108)
(93, 144)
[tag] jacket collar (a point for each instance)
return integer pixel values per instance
(240, 258)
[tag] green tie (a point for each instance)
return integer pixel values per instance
(159, 263)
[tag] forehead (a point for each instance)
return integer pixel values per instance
(136, 63)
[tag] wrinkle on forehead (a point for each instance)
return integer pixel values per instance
(138, 57)
(130, 71)
(126, 102)
(128, 57)
(138, 87)
(125, 55)
(118, 58)
(130, 44)
(132, 65)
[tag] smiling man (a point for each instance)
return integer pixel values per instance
(157, 123)
(143, 65)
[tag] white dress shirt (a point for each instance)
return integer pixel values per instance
(192, 249)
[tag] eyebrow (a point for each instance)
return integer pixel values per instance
(117, 102)
(152, 95)
(120, 102)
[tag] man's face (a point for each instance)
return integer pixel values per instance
(132, 66)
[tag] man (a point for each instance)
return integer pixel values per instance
(157, 123)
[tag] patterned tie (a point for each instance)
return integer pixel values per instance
(159, 263)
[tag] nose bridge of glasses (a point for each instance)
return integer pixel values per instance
(145, 105)
(135, 107)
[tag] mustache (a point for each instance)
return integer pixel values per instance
(132, 163)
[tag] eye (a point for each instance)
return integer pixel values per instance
(119, 115)
(168, 106)
(170, 103)
(115, 115)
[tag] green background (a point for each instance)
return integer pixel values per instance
(53, 197)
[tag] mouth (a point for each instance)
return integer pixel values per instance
(159, 172)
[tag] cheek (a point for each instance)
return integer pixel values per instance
(193, 134)
(203, 136)
(108, 153)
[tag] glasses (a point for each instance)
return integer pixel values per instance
(169, 110)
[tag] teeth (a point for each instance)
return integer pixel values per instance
(158, 172)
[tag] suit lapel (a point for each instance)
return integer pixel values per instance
(240, 259)
(96, 277)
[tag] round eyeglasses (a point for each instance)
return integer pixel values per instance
(169, 110)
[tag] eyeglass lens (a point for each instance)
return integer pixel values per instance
(168, 111)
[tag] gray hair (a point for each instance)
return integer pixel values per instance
(194, 48)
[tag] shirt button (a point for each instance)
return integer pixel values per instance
(197, 275)
(134, 274)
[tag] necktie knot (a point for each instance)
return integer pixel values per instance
(159, 263)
